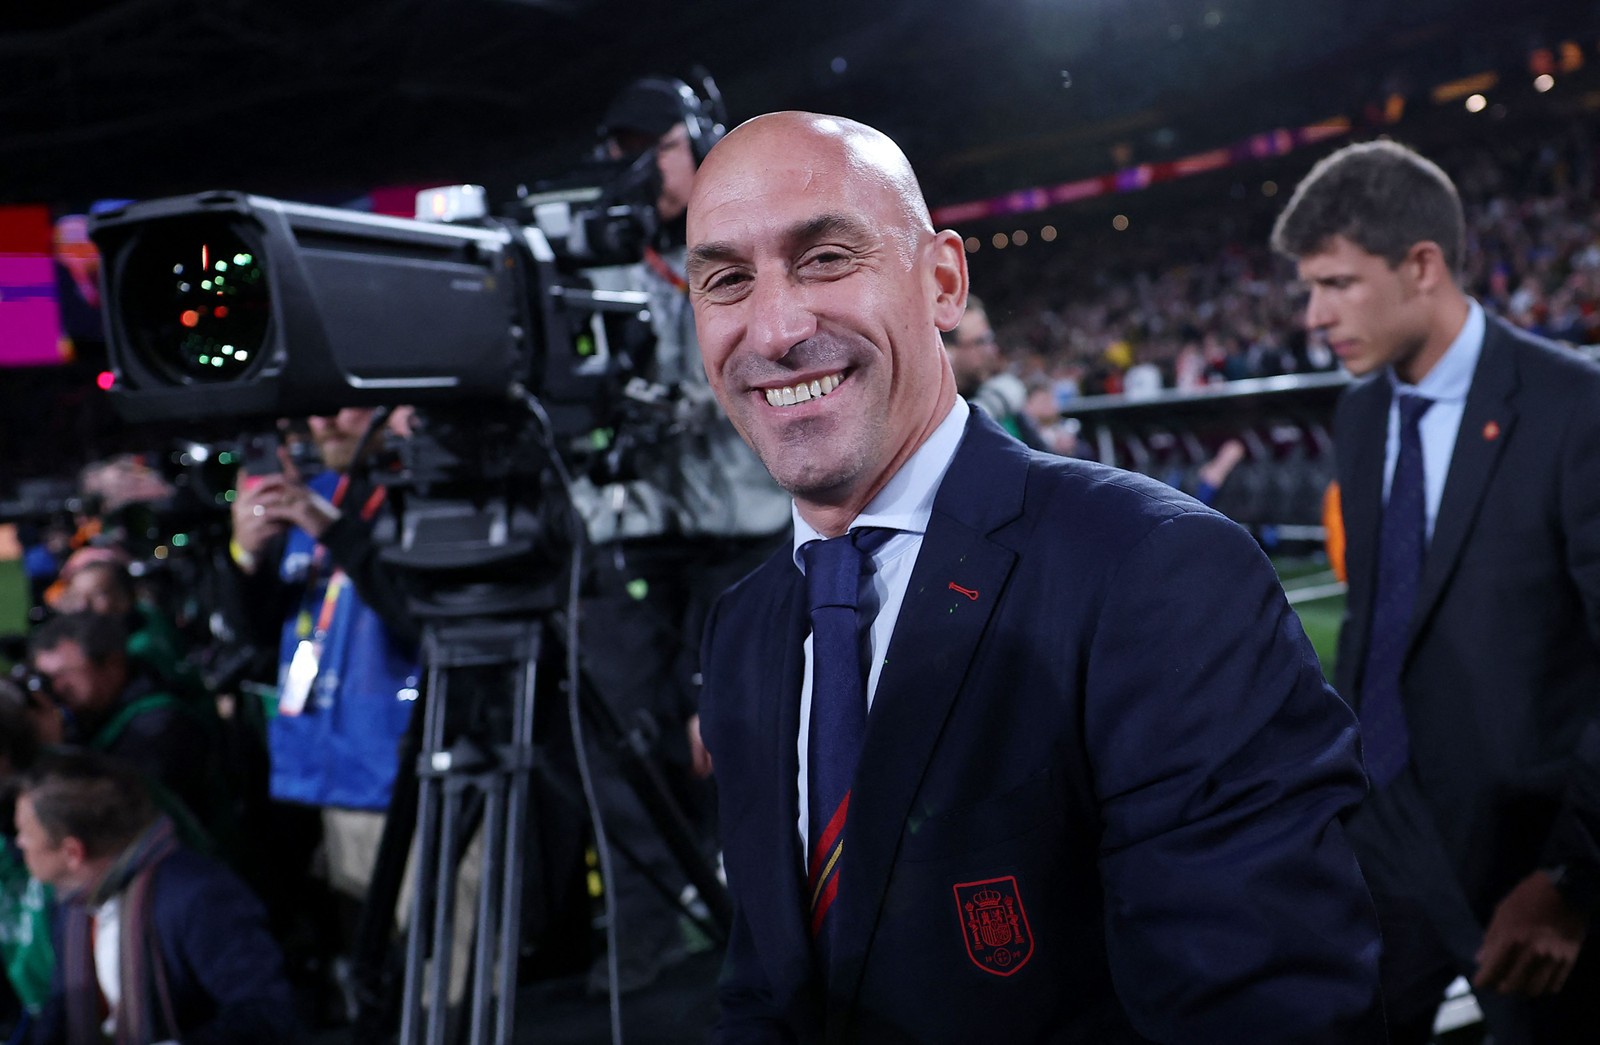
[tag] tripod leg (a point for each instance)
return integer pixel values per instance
(443, 914)
(489, 927)
(429, 798)
(519, 759)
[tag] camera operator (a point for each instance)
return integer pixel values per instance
(700, 513)
(348, 667)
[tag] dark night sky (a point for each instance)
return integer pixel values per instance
(306, 99)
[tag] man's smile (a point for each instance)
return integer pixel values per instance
(803, 391)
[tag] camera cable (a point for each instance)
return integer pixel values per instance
(575, 718)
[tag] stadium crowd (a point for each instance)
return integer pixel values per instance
(1181, 299)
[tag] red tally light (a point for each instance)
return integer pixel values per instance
(190, 318)
(221, 312)
(105, 379)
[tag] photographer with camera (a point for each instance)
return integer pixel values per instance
(698, 514)
(348, 667)
(97, 580)
(107, 701)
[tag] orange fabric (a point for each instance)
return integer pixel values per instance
(1333, 523)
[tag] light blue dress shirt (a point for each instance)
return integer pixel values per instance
(1447, 384)
(904, 504)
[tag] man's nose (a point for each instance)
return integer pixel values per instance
(1318, 313)
(780, 317)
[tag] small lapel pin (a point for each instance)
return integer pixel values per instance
(968, 592)
(1491, 431)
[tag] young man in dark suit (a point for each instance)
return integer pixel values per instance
(1086, 784)
(1469, 469)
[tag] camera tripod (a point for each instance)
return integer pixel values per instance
(471, 763)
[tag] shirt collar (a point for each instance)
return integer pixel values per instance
(906, 501)
(1451, 377)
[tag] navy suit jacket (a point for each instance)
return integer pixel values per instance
(1116, 735)
(1501, 678)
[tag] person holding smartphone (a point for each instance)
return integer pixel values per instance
(306, 553)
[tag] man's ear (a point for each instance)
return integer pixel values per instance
(947, 259)
(1428, 267)
(74, 852)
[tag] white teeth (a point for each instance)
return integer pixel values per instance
(803, 392)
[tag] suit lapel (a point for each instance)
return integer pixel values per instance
(934, 642)
(1486, 426)
(778, 926)
(1362, 498)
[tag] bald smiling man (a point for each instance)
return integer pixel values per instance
(1011, 748)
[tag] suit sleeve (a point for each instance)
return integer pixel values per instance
(1574, 842)
(222, 944)
(747, 1015)
(1235, 908)
(746, 1012)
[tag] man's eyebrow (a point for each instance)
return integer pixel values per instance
(705, 254)
(811, 230)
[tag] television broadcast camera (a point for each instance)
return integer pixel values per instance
(228, 305)
(225, 306)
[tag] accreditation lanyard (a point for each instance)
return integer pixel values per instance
(659, 264)
(311, 632)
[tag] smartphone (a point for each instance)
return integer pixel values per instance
(260, 453)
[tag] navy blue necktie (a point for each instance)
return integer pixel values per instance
(1402, 543)
(834, 572)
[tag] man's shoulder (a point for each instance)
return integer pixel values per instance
(760, 583)
(1364, 392)
(185, 874)
(1544, 366)
(1087, 493)
(1032, 503)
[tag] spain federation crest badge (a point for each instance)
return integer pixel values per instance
(995, 925)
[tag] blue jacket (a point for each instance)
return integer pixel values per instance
(342, 749)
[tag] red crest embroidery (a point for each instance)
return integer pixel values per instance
(995, 925)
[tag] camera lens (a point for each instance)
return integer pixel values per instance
(194, 299)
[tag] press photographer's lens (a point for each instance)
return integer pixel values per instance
(193, 294)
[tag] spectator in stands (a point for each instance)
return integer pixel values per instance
(982, 378)
(156, 943)
(1469, 476)
(108, 702)
(1044, 411)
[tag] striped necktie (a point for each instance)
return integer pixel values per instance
(835, 570)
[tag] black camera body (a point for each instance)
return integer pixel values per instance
(229, 305)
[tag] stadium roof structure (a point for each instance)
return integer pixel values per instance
(306, 99)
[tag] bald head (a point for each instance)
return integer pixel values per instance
(870, 156)
(820, 289)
